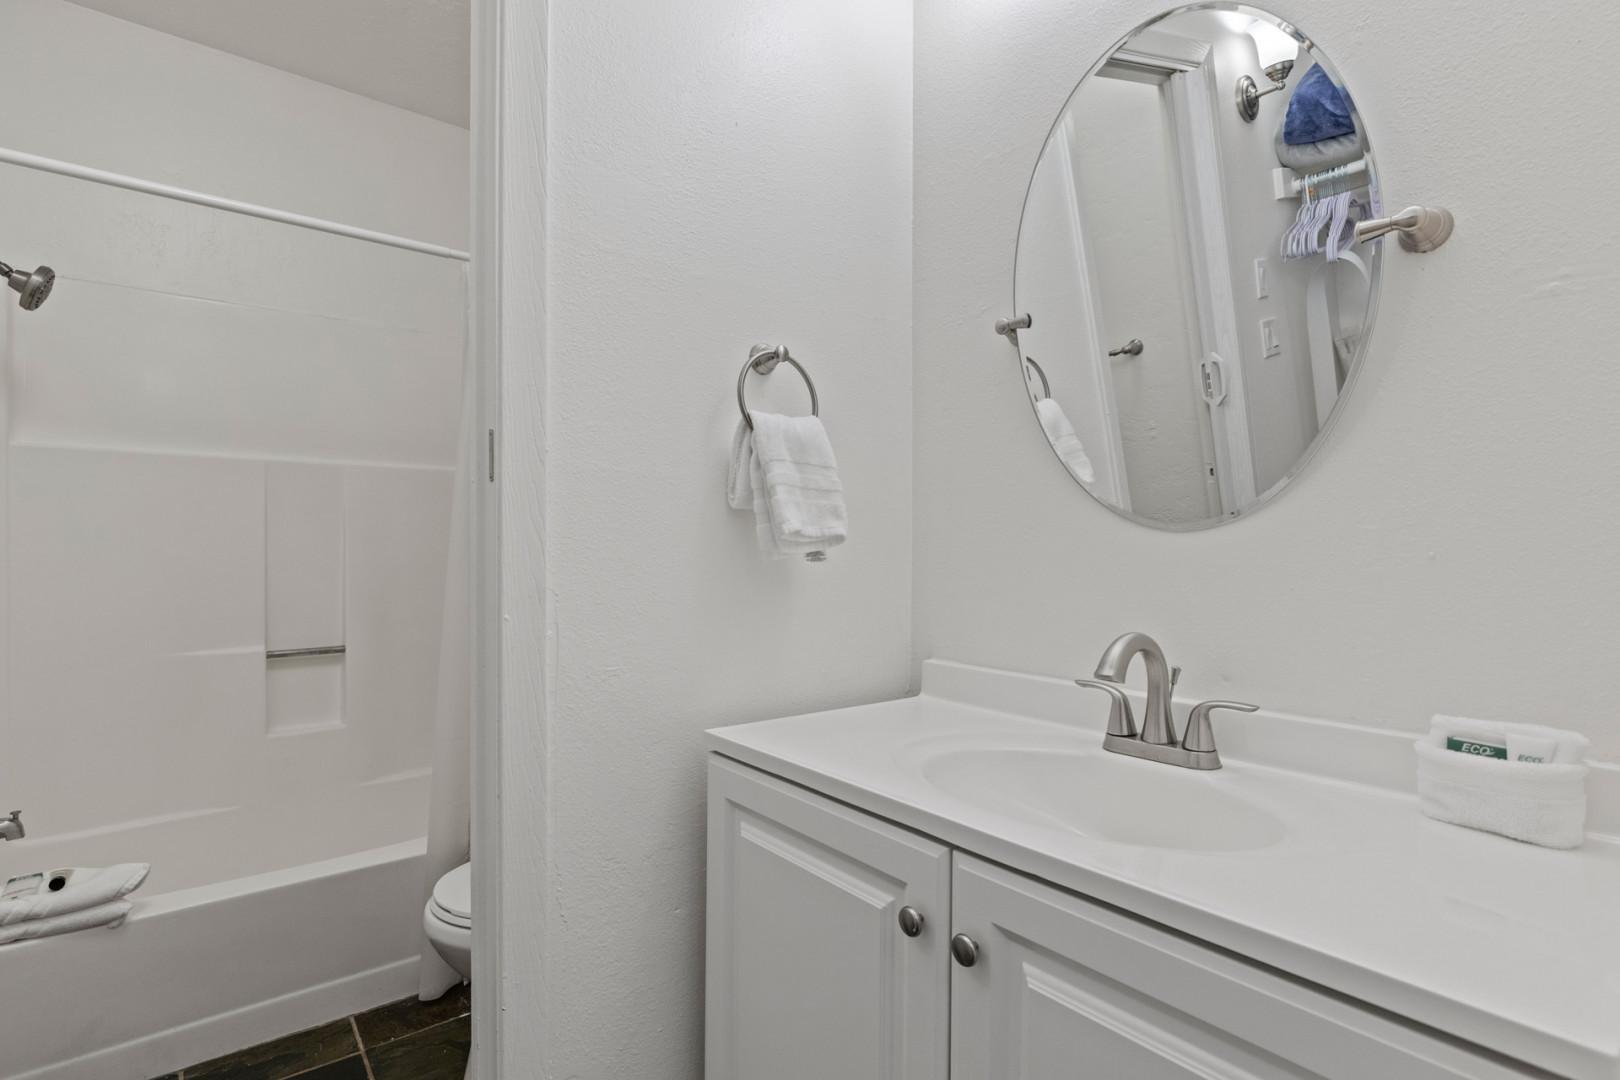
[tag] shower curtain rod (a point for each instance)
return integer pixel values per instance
(165, 191)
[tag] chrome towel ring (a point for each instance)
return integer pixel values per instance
(763, 359)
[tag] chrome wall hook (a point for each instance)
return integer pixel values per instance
(1421, 228)
(1010, 327)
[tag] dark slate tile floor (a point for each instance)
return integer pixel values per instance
(405, 1040)
(436, 1053)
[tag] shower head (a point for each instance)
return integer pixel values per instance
(33, 287)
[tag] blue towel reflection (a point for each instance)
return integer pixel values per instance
(1317, 110)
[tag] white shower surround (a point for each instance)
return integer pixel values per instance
(203, 392)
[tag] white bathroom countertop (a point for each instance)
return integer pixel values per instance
(1508, 946)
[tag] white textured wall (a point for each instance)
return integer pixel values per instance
(1452, 547)
(721, 172)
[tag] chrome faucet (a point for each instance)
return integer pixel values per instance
(1157, 727)
(1157, 740)
(11, 826)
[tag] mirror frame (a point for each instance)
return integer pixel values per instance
(1376, 265)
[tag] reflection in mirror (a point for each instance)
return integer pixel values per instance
(1187, 258)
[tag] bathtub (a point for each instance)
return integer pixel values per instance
(253, 924)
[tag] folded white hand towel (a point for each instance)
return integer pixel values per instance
(76, 889)
(1060, 433)
(1537, 801)
(785, 471)
(112, 913)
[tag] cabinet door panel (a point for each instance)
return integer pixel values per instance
(809, 975)
(1068, 1026)
(1067, 989)
(1026, 1013)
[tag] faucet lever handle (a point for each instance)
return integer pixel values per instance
(1200, 737)
(1121, 721)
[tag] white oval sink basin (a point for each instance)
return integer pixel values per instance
(1106, 796)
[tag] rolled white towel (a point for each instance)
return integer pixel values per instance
(786, 472)
(108, 914)
(1060, 433)
(1520, 780)
(61, 892)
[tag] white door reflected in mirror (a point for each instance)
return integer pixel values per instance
(1198, 301)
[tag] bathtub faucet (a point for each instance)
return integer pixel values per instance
(11, 826)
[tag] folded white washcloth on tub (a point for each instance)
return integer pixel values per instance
(1060, 433)
(784, 471)
(55, 893)
(112, 913)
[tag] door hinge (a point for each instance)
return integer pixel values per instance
(492, 455)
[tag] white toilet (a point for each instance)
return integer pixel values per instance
(448, 918)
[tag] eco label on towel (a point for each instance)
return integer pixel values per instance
(1478, 749)
(22, 885)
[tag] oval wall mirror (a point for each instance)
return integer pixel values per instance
(1198, 306)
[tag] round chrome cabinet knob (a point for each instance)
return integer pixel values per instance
(911, 921)
(964, 950)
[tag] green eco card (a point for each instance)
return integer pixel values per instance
(1478, 749)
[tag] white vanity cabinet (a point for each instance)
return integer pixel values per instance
(810, 974)
(811, 977)
(1063, 987)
